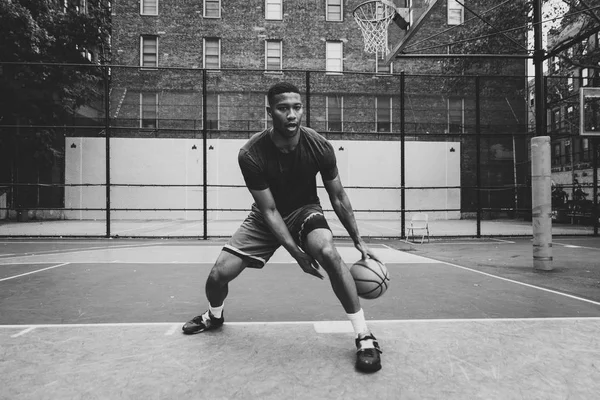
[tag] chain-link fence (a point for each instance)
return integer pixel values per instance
(126, 151)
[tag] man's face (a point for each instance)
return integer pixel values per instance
(286, 111)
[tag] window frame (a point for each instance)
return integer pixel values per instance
(328, 59)
(141, 116)
(149, 14)
(204, 8)
(585, 76)
(204, 53)
(280, 68)
(328, 5)
(143, 38)
(271, 3)
(341, 112)
(452, 5)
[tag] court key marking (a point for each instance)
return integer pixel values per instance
(33, 272)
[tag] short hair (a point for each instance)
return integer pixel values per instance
(281, 87)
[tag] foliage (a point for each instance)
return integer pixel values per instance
(40, 32)
(581, 18)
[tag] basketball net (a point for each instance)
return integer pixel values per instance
(374, 18)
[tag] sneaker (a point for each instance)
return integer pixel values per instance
(201, 323)
(367, 359)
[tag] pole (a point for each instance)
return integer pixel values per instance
(107, 142)
(541, 199)
(402, 157)
(307, 111)
(538, 62)
(596, 212)
(478, 149)
(204, 154)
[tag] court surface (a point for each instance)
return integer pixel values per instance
(101, 319)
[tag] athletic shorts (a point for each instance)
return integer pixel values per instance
(254, 241)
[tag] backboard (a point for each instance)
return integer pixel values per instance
(417, 13)
(589, 106)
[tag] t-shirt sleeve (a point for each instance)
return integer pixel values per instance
(252, 172)
(329, 169)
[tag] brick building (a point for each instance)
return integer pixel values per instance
(190, 67)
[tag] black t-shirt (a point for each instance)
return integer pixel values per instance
(291, 177)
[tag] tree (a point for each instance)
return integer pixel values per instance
(580, 20)
(34, 35)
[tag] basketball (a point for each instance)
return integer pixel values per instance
(371, 278)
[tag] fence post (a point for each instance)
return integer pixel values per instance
(204, 161)
(596, 210)
(478, 156)
(402, 157)
(307, 109)
(105, 71)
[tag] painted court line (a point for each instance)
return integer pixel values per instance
(24, 331)
(323, 325)
(33, 272)
(172, 330)
(524, 284)
(573, 246)
(83, 250)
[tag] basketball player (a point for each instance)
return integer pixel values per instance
(279, 166)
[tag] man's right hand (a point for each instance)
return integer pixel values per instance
(308, 264)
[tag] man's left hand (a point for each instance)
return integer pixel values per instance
(365, 251)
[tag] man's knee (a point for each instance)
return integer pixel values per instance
(226, 268)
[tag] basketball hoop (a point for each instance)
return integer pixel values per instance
(374, 17)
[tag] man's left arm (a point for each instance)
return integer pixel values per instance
(343, 209)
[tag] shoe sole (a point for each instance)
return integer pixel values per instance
(200, 331)
(368, 367)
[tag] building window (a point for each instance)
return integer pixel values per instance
(273, 55)
(556, 120)
(149, 7)
(334, 57)
(555, 64)
(82, 7)
(334, 10)
(585, 148)
(149, 110)
(212, 8)
(585, 74)
(334, 106)
(149, 50)
(274, 9)
(383, 115)
(570, 82)
(212, 53)
(212, 111)
(455, 115)
(456, 13)
(567, 151)
(381, 67)
(556, 156)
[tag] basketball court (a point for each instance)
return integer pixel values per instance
(102, 319)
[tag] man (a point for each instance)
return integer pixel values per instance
(279, 166)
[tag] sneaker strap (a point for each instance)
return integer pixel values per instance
(367, 342)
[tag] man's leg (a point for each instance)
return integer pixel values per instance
(227, 267)
(319, 244)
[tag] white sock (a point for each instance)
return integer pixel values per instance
(217, 312)
(360, 327)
